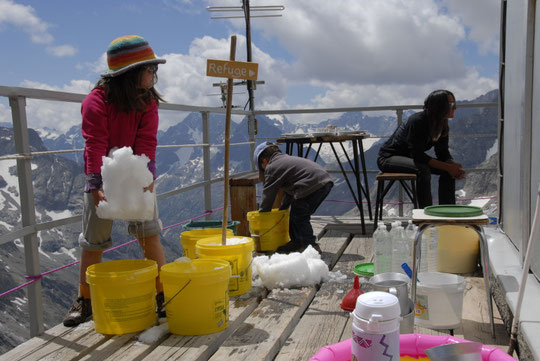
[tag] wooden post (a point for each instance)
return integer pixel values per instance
(227, 141)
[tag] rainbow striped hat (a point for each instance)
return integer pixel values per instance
(128, 52)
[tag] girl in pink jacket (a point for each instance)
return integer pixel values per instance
(121, 111)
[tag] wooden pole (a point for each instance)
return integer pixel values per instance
(227, 144)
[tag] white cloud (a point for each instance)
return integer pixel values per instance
(62, 50)
(5, 114)
(367, 53)
(183, 78)
(54, 114)
(352, 52)
(99, 66)
(481, 18)
(24, 17)
(367, 42)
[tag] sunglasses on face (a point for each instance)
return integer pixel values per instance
(152, 68)
(452, 105)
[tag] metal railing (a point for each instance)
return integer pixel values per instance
(28, 233)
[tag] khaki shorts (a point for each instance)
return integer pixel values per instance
(96, 232)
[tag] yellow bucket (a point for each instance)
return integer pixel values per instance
(198, 295)
(457, 249)
(238, 255)
(123, 295)
(188, 239)
(269, 230)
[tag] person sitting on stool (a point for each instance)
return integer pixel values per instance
(404, 151)
(305, 184)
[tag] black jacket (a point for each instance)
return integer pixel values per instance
(412, 139)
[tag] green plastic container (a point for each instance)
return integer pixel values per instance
(453, 210)
(210, 224)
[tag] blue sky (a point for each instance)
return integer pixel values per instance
(320, 53)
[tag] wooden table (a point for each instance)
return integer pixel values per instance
(425, 221)
(357, 165)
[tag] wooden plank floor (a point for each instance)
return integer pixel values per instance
(264, 325)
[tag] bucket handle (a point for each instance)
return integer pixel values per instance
(176, 294)
(244, 271)
(274, 226)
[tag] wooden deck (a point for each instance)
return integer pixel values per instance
(264, 325)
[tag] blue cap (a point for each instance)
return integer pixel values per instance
(260, 148)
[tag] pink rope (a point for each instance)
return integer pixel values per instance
(18, 288)
(35, 278)
(399, 203)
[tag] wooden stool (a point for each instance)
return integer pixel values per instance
(382, 190)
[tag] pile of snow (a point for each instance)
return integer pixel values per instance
(230, 241)
(291, 270)
(153, 334)
(124, 177)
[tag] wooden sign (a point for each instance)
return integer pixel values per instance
(231, 69)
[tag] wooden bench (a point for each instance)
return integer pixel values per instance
(243, 193)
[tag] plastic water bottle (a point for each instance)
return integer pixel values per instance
(423, 252)
(410, 231)
(400, 249)
(375, 327)
(432, 257)
(383, 250)
(392, 235)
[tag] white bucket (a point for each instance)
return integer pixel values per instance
(439, 300)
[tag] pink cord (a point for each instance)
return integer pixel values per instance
(35, 278)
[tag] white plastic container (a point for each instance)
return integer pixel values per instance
(439, 300)
(375, 327)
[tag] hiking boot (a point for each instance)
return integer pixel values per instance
(290, 248)
(160, 300)
(80, 312)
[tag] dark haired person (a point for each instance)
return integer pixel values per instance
(404, 151)
(305, 185)
(121, 111)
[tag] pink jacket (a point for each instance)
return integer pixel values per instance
(104, 128)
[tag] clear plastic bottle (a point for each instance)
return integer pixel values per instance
(424, 251)
(383, 250)
(392, 236)
(410, 231)
(432, 256)
(400, 249)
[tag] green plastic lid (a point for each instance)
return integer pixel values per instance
(451, 210)
(364, 269)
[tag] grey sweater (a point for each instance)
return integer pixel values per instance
(298, 177)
